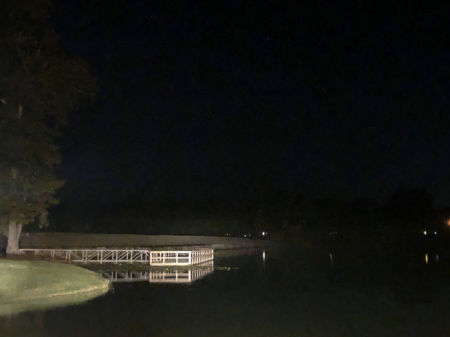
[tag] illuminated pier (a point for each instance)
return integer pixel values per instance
(168, 257)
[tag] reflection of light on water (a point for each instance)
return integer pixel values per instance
(429, 259)
(264, 256)
(331, 258)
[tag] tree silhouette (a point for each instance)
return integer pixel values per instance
(39, 85)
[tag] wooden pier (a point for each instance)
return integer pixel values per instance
(171, 257)
(181, 257)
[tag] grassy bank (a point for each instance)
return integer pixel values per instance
(26, 285)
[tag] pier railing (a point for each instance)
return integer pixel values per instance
(92, 255)
(180, 257)
(103, 255)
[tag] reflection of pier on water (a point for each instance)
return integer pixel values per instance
(125, 276)
(185, 275)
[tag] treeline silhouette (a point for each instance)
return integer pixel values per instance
(399, 222)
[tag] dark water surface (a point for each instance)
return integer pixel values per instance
(269, 293)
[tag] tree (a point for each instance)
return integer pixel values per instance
(39, 85)
(409, 210)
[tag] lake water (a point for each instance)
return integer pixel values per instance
(264, 293)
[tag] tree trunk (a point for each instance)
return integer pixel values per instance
(14, 232)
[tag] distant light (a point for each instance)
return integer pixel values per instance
(426, 258)
(424, 232)
(435, 233)
(263, 233)
(448, 222)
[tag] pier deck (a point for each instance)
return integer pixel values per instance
(172, 257)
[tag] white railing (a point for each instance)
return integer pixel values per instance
(92, 255)
(102, 255)
(181, 257)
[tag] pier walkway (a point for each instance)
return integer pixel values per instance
(168, 257)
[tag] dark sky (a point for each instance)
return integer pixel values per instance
(221, 99)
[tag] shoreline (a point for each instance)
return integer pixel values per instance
(30, 284)
(87, 240)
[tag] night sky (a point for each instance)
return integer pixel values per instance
(222, 100)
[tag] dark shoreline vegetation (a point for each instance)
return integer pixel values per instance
(396, 223)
